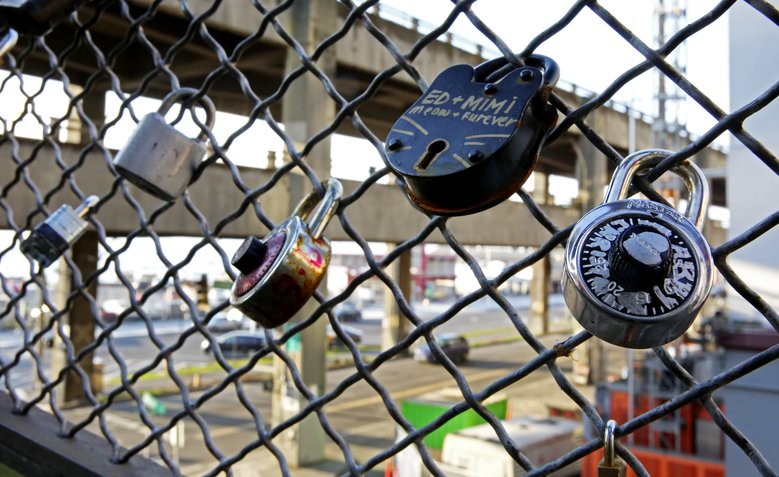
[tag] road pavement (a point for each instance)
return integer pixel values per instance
(358, 415)
(131, 340)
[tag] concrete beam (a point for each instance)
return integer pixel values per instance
(382, 214)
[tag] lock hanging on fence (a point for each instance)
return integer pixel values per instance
(611, 465)
(471, 141)
(35, 17)
(160, 159)
(281, 272)
(636, 271)
(58, 232)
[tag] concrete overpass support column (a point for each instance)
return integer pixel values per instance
(539, 285)
(307, 109)
(539, 296)
(81, 317)
(593, 175)
(541, 188)
(394, 326)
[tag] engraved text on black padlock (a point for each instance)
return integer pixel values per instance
(471, 140)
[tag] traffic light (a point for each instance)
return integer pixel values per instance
(202, 293)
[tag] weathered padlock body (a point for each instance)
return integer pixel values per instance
(637, 318)
(282, 271)
(158, 158)
(466, 145)
(274, 296)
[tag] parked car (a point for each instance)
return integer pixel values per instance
(237, 343)
(347, 311)
(333, 341)
(454, 346)
(222, 323)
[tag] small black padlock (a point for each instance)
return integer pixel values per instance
(58, 232)
(35, 17)
(469, 142)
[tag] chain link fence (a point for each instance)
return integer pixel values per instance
(48, 162)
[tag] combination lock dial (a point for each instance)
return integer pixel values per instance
(637, 272)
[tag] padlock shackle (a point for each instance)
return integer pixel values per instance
(609, 454)
(549, 67)
(181, 95)
(693, 177)
(328, 204)
(8, 41)
(86, 207)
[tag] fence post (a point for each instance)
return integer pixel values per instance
(394, 326)
(81, 317)
(306, 109)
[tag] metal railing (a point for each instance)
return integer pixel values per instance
(34, 56)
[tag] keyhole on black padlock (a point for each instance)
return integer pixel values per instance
(434, 149)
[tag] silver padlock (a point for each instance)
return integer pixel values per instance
(57, 233)
(160, 159)
(611, 465)
(637, 272)
(282, 271)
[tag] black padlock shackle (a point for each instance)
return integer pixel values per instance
(694, 180)
(549, 66)
(328, 204)
(183, 94)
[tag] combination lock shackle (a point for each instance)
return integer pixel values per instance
(279, 273)
(471, 141)
(160, 159)
(693, 177)
(637, 272)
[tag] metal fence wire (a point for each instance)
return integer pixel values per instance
(73, 56)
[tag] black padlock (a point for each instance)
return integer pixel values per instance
(470, 141)
(35, 17)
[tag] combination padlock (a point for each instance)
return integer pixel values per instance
(54, 235)
(281, 272)
(611, 465)
(35, 17)
(160, 159)
(637, 272)
(469, 142)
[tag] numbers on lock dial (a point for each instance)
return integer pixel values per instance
(663, 296)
